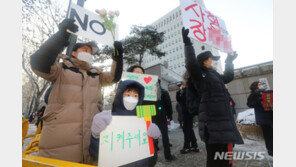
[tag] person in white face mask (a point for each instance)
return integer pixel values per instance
(75, 96)
(129, 94)
(85, 51)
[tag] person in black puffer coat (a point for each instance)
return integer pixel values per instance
(192, 95)
(263, 118)
(215, 119)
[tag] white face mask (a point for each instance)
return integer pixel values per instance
(85, 56)
(214, 64)
(130, 103)
(261, 87)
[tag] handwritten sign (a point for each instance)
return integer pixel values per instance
(264, 83)
(124, 141)
(90, 25)
(148, 81)
(204, 26)
(267, 102)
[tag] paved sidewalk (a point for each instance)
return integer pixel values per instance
(199, 159)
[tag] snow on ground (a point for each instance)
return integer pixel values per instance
(246, 117)
(199, 159)
(196, 159)
(173, 126)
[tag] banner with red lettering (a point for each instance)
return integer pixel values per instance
(267, 100)
(205, 26)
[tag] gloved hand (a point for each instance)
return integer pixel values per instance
(100, 122)
(153, 131)
(230, 57)
(118, 51)
(186, 39)
(68, 24)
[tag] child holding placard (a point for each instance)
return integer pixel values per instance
(129, 94)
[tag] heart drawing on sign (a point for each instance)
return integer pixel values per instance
(147, 80)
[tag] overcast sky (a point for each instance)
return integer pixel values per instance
(249, 22)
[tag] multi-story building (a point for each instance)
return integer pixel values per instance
(171, 24)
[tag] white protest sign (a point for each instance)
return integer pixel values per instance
(204, 26)
(148, 81)
(264, 83)
(90, 25)
(124, 141)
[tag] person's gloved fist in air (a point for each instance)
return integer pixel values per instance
(67, 24)
(186, 39)
(100, 122)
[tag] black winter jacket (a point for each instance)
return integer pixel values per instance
(192, 98)
(262, 117)
(163, 108)
(181, 99)
(216, 123)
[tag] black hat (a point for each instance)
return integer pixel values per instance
(92, 45)
(205, 55)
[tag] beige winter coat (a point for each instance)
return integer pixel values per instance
(72, 104)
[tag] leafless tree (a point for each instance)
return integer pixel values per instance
(40, 19)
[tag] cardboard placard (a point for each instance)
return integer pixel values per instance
(267, 102)
(90, 25)
(124, 141)
(148, 81)
(205, 26)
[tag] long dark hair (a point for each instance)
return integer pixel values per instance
(254, 86)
